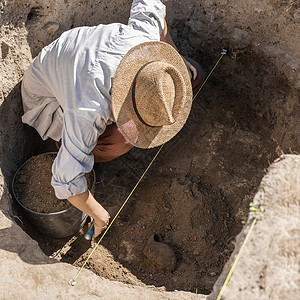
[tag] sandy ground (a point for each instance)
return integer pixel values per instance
(267, 269)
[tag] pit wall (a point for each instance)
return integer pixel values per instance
(271, 251)
(261, 67)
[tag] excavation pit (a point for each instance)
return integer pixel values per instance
(195, 198)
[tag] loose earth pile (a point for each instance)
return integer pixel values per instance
(33, 185)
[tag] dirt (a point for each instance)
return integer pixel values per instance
(33, 185)
(194, 200)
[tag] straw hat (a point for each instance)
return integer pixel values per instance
(151, 94)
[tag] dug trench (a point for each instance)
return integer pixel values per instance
(196, 195)
(194, 198)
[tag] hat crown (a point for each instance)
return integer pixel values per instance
(159, 93)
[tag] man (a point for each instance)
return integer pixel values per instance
(101, 90)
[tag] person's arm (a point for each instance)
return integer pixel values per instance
(166, 37)
(74, 159)
(88, 204)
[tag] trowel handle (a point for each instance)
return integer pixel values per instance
(89, 233)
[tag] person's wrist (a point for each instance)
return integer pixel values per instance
(100, 227)
(102, 220)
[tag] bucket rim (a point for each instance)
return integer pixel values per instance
(41, 213)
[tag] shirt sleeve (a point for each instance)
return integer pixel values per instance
(74, 158)
(147, 16)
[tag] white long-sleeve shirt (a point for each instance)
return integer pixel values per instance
(66, 90)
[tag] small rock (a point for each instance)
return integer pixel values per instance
(168, 227)
(4, 49)
(241, 37)
(297, 15)
(22, 179)
(160, 254)
(52, 27)
(223, 2)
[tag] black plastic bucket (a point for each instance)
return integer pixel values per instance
(57, 224)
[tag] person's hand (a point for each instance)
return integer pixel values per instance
(191, 69)
(166, 37)
(100, 224)
(88, 204)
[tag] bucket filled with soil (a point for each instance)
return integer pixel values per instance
(32, 189)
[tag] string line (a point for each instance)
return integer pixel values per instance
(236, 259)
(223, 53)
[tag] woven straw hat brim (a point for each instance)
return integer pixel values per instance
(139, 134)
